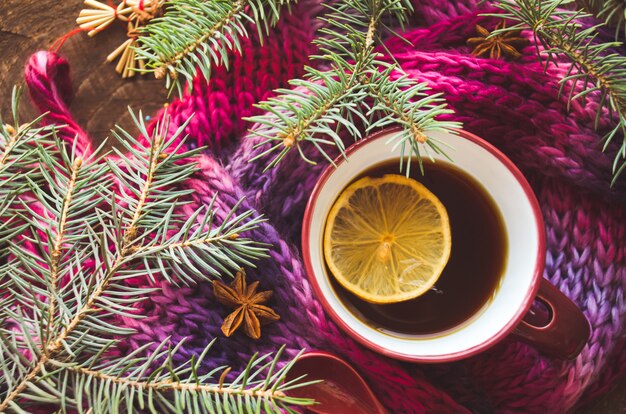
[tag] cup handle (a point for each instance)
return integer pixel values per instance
(566, 331)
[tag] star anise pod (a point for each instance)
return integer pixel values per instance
(247, 303)
(504, 44)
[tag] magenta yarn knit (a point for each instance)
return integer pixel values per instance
(513, 105)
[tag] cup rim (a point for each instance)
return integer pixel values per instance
(448, 357)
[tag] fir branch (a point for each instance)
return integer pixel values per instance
(196, 34)
(594, 68)
(182, 389)
(211, 246)
(56, 253)
(405, 102)
(17, 143)
(217, 250)
(613, 12)
(295, 117)
(64, 280)
(352, 92)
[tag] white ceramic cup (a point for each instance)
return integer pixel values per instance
(565, 333)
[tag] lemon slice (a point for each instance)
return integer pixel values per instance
(387, 239)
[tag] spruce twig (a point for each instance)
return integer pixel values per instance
(63, 278)
(194, 35)
(612, 12)
(594, 68)
(355, 91)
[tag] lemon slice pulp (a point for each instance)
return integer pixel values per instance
(387, 239)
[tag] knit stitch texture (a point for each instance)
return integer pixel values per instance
(513, 105)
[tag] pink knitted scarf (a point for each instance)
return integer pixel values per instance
(514, 105)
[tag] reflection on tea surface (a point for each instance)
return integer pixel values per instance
(472, 275)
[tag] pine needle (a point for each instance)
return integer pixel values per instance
(355, 92)
(594, 69)
(69, 243)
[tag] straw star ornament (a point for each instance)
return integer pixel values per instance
(135, 13)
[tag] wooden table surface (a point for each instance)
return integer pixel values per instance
(101, 96)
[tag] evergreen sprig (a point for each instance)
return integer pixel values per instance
(87, 225)
(132, 384)
(353, 90)
(194, 35)
(594, 68)
(613, 12)
(17, 144)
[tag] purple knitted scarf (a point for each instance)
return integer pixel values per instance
(514, 105)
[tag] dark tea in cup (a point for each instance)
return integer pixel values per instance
(472, 274)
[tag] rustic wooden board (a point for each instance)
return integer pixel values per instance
(101, 95)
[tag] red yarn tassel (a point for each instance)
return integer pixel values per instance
(48, 78)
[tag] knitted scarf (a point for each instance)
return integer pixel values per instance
(513, 105)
